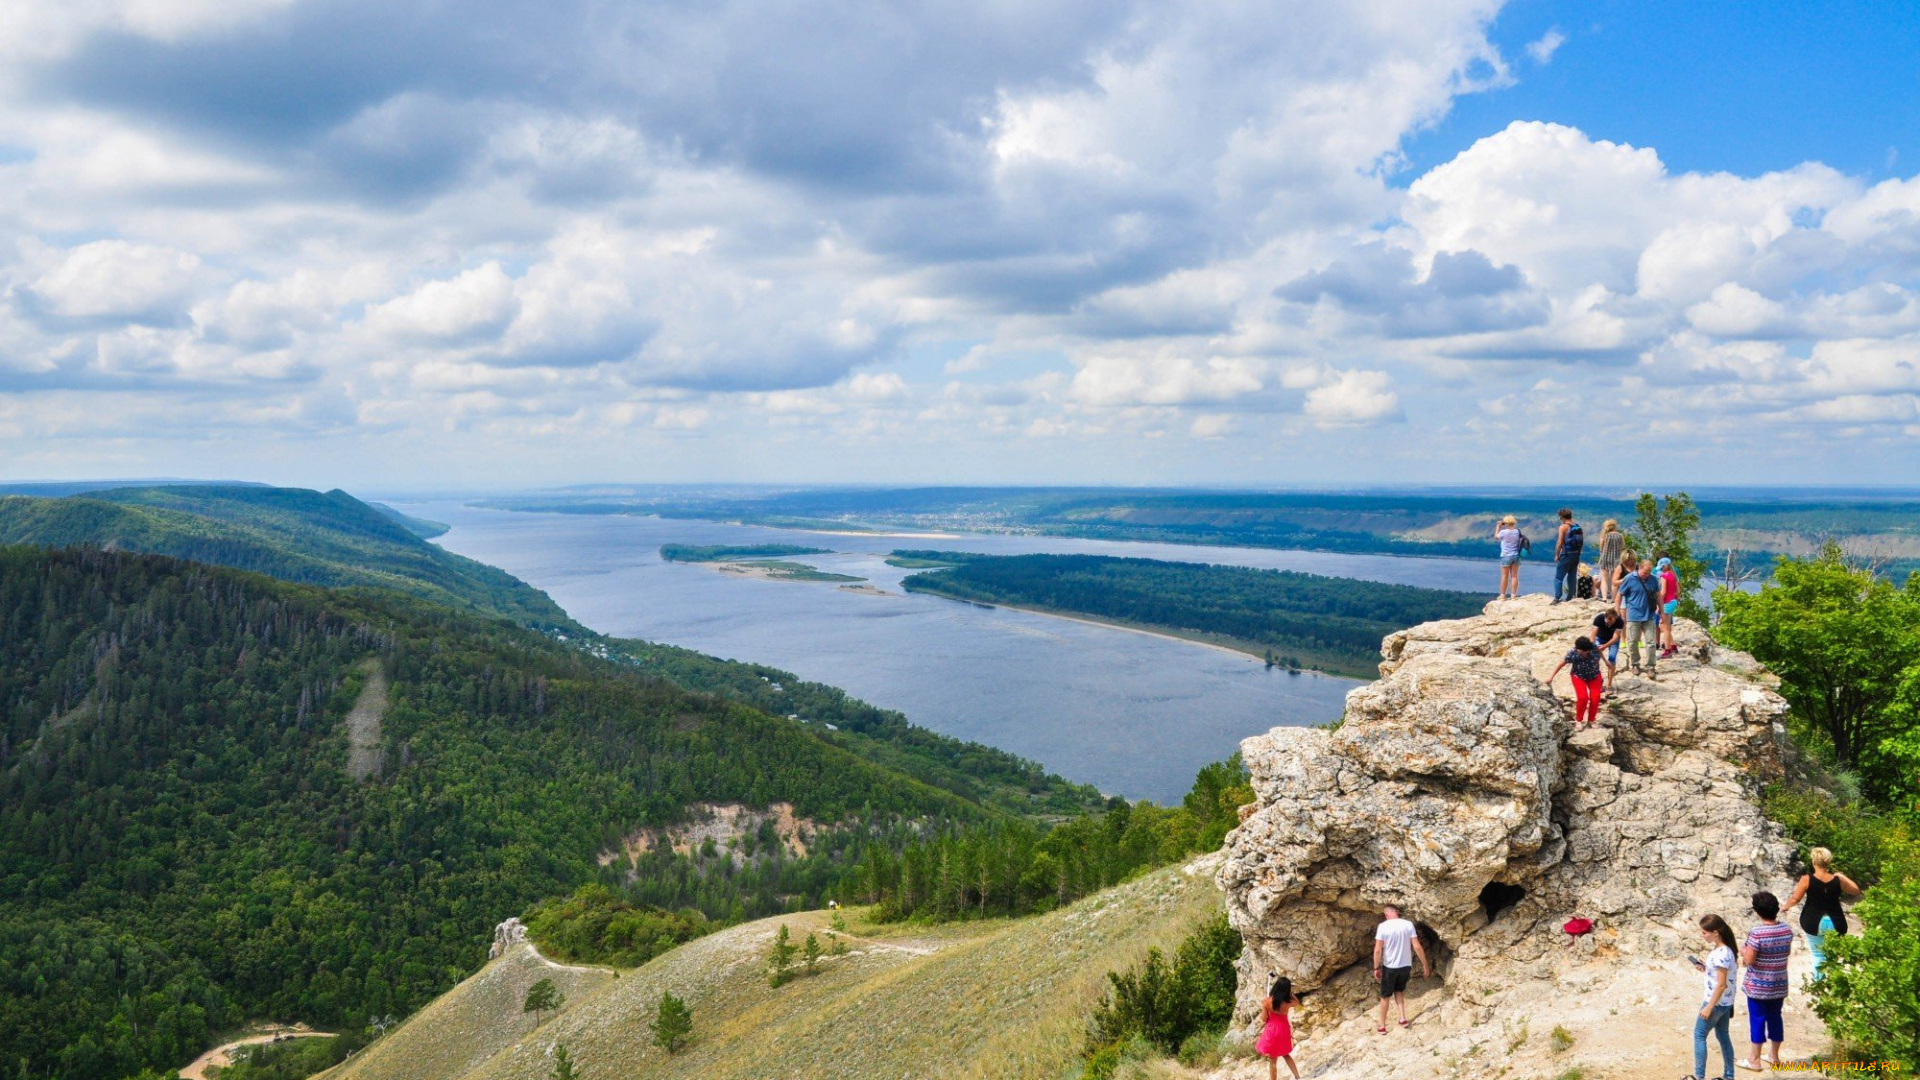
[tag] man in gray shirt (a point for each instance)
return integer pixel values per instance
(1639, 604)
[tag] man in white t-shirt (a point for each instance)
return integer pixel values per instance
(1395, 943)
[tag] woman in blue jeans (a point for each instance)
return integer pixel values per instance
(1716, 1005)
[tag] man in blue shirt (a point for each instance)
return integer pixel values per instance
(1639, 603)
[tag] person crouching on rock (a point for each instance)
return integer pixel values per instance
(1608, 628)
(1583, 660)
(1276, 1035)
(1395, 943)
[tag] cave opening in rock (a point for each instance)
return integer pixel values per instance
(1498, 896)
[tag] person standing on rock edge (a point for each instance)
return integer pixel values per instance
(1566, 557)
(1395, 943)
(1613, 544)
(1639, 603)
(1584, 661)
(1669, 603)
(1276, 1032)
(1822, 889)
(1765, 955)
(1508, 533)
(1716, 1006)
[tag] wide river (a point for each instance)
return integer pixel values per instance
(1135, 714)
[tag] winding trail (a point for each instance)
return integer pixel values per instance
(221, 1056)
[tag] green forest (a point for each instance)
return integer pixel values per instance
(315, 538)
(1334, 624)
(183, 849)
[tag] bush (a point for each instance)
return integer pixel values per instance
(1170, 1005)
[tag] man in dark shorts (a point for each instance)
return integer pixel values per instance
(1395, 943)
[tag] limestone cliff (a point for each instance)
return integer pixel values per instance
(1456, 788)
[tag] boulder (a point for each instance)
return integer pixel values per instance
(1457, 788)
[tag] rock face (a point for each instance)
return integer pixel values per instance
(1456, 788)
(505, 937)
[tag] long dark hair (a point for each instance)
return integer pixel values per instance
(1281, 991)
(1720, 928)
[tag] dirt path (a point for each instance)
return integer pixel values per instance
(364, 758)
(221, 1056)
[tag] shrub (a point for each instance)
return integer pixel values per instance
(1169, 1005)
(1560, 1039)
(780, 957)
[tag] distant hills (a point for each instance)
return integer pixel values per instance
(315, 538)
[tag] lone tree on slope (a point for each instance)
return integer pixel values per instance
(542, 997)
(672, 1023)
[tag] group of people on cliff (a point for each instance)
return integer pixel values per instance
(1644, 593)
(1764, 957)
(1757, 966)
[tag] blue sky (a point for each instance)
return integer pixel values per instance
(1746, 87)
(508, 242)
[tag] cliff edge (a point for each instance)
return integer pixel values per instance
(1457, 788)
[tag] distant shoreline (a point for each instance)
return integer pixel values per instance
(1131, 628)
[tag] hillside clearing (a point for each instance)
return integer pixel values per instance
(999, 999)
(364, 757)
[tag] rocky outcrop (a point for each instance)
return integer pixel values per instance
(505, 937)
(1456, 788)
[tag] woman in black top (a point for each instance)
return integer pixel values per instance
(1608, 628)
(1822, 915)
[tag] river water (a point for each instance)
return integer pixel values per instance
(1135, 714)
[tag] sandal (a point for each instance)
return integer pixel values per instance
(1383, 1029)
(1405, 1023)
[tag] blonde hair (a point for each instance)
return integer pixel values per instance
(1509, 520)
(1822, 858)
(1610, 526)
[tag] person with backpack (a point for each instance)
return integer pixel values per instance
(1511, 539)
(1567, 544)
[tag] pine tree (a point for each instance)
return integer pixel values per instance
(810, 953)
(780, 961)
(672, 1023)
(542, 997)
(562, 1063)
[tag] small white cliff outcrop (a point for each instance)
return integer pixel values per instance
(1457, 788)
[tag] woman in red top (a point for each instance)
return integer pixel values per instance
(1669, 603)
(1276, 1034)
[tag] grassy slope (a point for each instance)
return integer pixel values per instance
(998, 999)
(309, 537)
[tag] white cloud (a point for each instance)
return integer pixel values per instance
(1541, 49)
(1354, 398)
(477, 303)
(1133, 221)
(115, 279)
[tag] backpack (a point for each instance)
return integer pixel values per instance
(1576, 539)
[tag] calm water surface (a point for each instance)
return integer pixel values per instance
(1134, 714)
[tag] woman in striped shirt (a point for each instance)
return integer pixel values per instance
(1765, 983)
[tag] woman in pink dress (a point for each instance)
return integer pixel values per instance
(1276, 1037)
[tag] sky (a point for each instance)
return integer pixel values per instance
(382, 244)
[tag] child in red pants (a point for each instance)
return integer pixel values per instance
(1583, 662)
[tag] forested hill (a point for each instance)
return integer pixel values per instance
(181, 847)
(318, 538)
(1299, 620)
